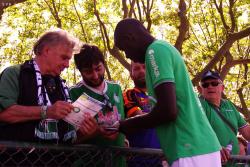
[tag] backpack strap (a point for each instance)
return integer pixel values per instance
(217, 110)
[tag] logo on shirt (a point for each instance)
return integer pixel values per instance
(153, 63)
(116, 98)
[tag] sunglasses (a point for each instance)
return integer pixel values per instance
(213, 84)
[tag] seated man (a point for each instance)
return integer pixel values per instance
(136, 102)
(90, 63)
(33, 97)
(222, 114)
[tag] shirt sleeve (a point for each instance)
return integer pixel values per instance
(240, 119)
(130, 103)
(74, 94)
(9, 87)
(160, 64)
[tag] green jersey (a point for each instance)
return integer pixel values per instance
(113, 93)
(190, 134)
(222, 130)
(9, 87)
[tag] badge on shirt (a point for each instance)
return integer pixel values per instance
(116, 98)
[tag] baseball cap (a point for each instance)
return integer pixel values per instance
(210, 75)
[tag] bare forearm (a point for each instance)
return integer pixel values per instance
(18, 113)
(145, 121)
(165, 111)
(245, 131)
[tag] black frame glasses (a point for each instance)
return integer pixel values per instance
(213, 84)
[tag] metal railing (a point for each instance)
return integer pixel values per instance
(30, 154)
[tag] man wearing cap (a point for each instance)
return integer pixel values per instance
(222, 114)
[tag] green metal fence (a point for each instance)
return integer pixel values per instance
(28, 154)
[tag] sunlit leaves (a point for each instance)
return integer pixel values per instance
(22, 24)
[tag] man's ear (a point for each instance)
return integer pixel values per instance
(46, 49)
(223, 87)
(199, 89)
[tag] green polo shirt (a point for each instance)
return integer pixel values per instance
(9, 87)
(113, 91)
(222, 130)
(190, 134)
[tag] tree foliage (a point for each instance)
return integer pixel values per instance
(212, 34)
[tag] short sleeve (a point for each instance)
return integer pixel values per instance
(9, 87)
(240, 120)
(159, 61)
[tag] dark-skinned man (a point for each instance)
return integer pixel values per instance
(177, 113)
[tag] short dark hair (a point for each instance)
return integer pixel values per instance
(128, 26)
(88, 55)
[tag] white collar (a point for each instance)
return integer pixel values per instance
(96, 90)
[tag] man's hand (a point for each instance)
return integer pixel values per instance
(59, 110)
(89, 126)
(109, 134)
(225, 155)
(126, 128)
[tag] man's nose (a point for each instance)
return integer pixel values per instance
(66, 63)
(210, 86)
(142, 71)
(95, 74)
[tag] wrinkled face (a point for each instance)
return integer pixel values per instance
(94, 76)
(138, 74)
(57, 58)
(212, 89)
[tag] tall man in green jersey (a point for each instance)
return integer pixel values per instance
(90, 63)
(185, 134)
(211, 89)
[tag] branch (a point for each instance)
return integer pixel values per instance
(206, 27)
(80, 21)
(184, 26)
(59, 21)
(226, 68)
(147, 10)
(139, 10)
(231, 13)
(220, 10)
(131, 10)
(107, 71)
(244, 110)
(114, 51)
(125, 9)
(54, 13)
(219, 54)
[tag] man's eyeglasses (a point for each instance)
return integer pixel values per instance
(213, 84)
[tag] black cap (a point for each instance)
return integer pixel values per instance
(210, 75)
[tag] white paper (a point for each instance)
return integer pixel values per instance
(86, 104)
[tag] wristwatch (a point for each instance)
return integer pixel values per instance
(43, 113)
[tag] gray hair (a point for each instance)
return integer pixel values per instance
(53, 38)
